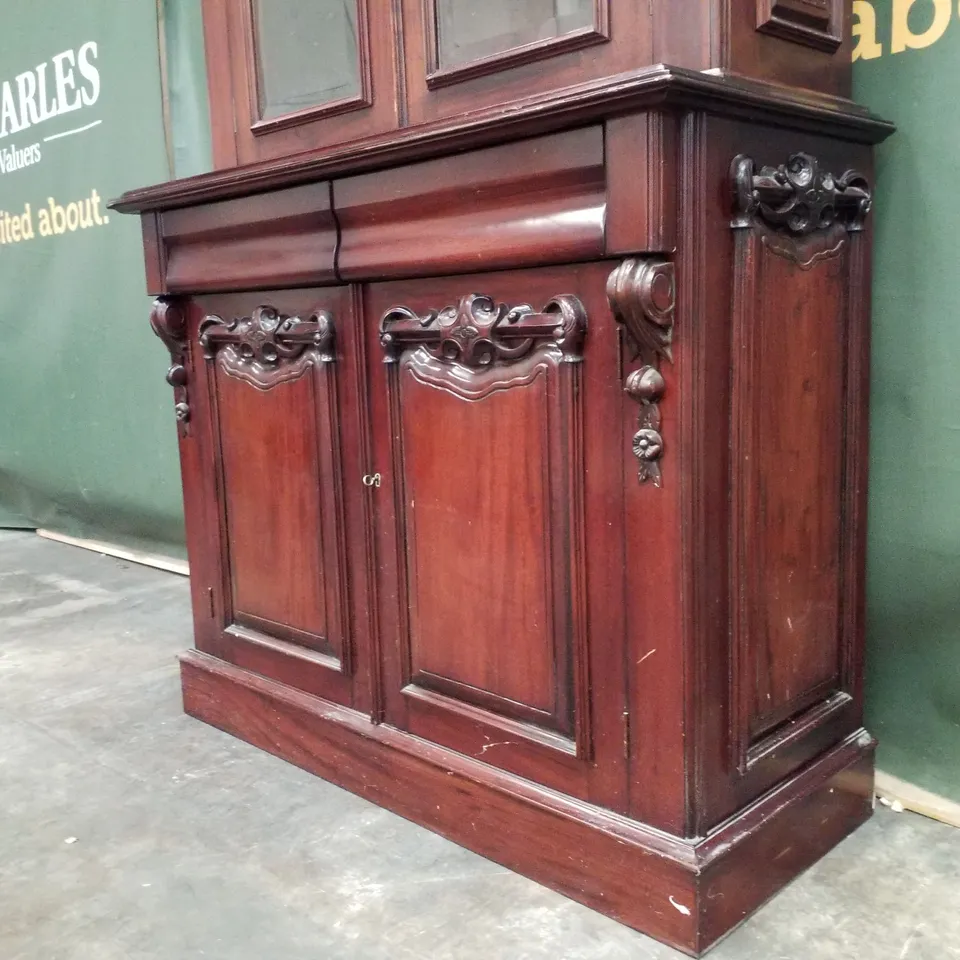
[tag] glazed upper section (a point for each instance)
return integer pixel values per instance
(288, 76)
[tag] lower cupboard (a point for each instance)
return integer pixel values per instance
(547, 530)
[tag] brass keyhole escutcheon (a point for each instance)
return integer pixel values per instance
(372, 480)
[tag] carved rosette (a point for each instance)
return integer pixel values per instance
(478, 332)
(802, 211)
(268, 347)
(169, 324)
(642, 295)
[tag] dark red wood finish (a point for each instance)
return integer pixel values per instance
(785, 324)
(803, 43)
(288, 237)
(535, 201)
(524, 448)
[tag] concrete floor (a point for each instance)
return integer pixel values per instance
(129, 831)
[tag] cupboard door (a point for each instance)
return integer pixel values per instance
(502, 603)
(303, 75)
(460, 55)
(277, 386)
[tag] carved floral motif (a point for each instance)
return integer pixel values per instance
(268, 347)
(647, 445)
(169, 324)
(478, 332)
(799, 197)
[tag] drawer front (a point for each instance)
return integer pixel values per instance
(285, 238)
(500, 638)
(537, 201)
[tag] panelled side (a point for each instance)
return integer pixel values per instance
(789, 342)
(785, 684)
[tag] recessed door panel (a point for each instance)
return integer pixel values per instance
(277, 570)
(485, 624)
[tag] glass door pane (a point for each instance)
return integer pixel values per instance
(467, 30)
(306, 54)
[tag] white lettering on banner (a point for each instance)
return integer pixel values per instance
(13, 159)
(35, 97)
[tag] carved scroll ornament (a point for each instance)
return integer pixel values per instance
(478, 332)
(642, 295)
(169, 324)
(268, 347)
(799, 197)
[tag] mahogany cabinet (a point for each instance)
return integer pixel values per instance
(521, 387)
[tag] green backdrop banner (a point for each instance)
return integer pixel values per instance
(87, 438)
(908, 53)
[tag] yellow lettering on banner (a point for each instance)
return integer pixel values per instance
(53, 219)
(16, 227)
(58, 217)
(903, 37)
(26, 223)
(865, 31)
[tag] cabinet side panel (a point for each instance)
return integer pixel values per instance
(787, 465)
(775, 628)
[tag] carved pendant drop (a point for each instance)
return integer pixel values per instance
(642, 296)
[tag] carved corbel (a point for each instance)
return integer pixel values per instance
(268, 347)
(802, 212)
(169, 324)
(642, 295)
